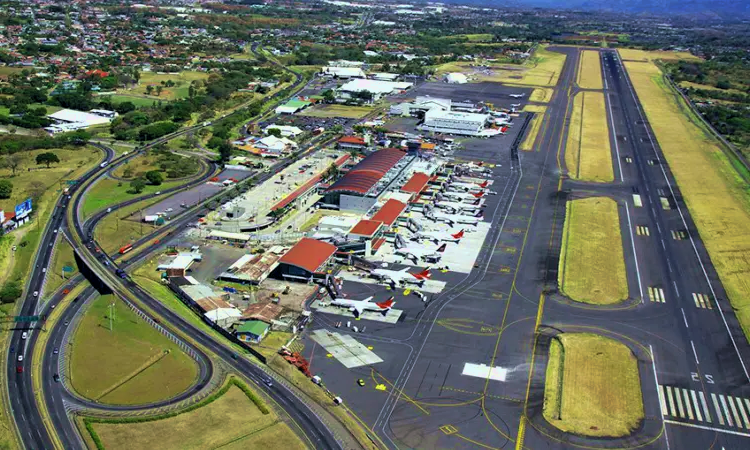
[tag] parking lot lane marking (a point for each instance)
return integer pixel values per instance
(726, 410)
(734, 412)
(687, 404)
(717, 409)
(662, 401)
(742, 412)
(671, 401)
(679, 402)
(705, 407)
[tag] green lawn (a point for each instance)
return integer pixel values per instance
(64, 256)
(108, 192)
(131, 364)
(137, 101)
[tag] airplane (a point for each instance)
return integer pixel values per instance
(437, 236)
(417, 252)
(518, 95)
(359, 306)
(467, 185)
(394, 277)
(453, 219)
(461, 207)
(464, 196)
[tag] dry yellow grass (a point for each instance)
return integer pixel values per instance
(534, 127)
(714, 192)
(541, 95)
(351, 112)
(601, 388)
(588, 156)
(592, 264)
(590, 70)
(231, 418)
(629, 54)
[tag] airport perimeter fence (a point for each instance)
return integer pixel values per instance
(190, 303)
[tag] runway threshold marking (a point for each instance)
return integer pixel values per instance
(642, 230)
(702, 301)
(656, 294)
(733, 412)
(679, 235)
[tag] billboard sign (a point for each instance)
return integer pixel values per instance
(23, 209)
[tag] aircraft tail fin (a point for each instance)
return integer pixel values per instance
(441, 249)
(388, 304)
(458, 235)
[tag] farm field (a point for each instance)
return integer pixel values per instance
(131, 364)
(592, 264)
(232, 420)
(590, 70)
(350, 112)
(592, 386)
(588, 156)
(713, 190)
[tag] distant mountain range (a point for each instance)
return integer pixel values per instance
(716, 8)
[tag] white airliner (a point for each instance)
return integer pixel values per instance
(461, 207)
(464, 196)
(438, 236)
(416, 252)
(359, 306)
(518, 95)
(403, 276)
(467, 186)
(453, 219)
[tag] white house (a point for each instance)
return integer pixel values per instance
(273, 144)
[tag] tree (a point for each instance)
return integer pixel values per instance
(6, 189)
(149, 89)
(329, 96)
(127, 172)
(10, 292)
(274, 132)
(47, 158)
(154, 177)
(12, 162)
(138, 185)
(159, 88)
(225, 152)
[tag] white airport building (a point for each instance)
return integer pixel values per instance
(454, 122)
(67, 120)
(376, 87)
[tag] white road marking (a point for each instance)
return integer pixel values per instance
(613, 131)
(662, 401)
(742, 412)
(696, 406)
(705, 407)
(635, 255)
(694, 353)
(734, 412)
(674, 282)
(703, 427)
(656, 380)
(687, 404)
(726, 411)
(679, 402)
(684, 318)
(718, 410)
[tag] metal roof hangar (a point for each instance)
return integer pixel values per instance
(307, 257)
(360, 187)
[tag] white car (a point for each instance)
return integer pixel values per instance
(36, 293)
(44, 269)
(20, 358)
(169, 209)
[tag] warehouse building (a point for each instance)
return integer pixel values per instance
(456, 78)
(67, 120)
(343, 72)
(453, 122)
(306, 258)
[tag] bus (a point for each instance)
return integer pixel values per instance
(126, 249)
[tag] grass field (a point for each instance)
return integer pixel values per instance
(590, 70)
(63, 257)
(715, 194)
(29, 175)
(133, 364)
(534, 127)
(630, 54)
(541, 95)
(592, 264)
(117, 229)
(708, 87)
(231, 421)
(601, 388)
(180, 90)
(108, 192)
(588, 156)
(350, 112)
(137, 101)
(138, 165)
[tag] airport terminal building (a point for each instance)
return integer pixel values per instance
(454, 122)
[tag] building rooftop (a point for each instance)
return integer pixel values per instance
(254, 327)
(368, 172)
(390, 211)
(309, 254)
(263, 311)
(366, 227)
(416, 183)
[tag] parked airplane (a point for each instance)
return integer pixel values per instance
(466, 186)
(461, 207)
(417, 252)
(397, 277)
(464, 196)
(453, 219)
(359, 306)
(518, 95)
(437, 236)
